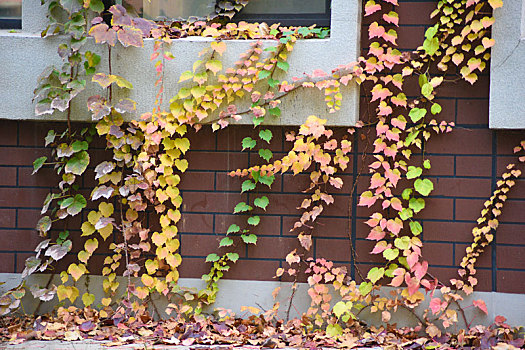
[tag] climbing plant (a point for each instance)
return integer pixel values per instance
(141, 178)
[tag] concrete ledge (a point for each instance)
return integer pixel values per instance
(233, 294)
(507, 67)
(28, 55)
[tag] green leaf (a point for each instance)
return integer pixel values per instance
(266, 135)
(44, 224)
(233, 229)
(267, 180)
(435, 109)
(249, 239)
(38, 163)
(431, 32)
(78, 146)
(233, 257)
(390, 271)
(247, 185)
(96, 5)
(407, 192)
(226, 242)
(340, 308)
(273, 82)
(402, 243)
(254, 220)
(431, 46)
(241, 208)
(414, 172)
(375, 274)
(417, 113)
(50, 137)
(416, 228)
(276, 111)
(365, 288)
(416, 204)
(265, 154)
(212, 257)
(248, 142)
(186, 76)
(79, 203)
(391, 254)
(427, 89)
(426, 164)
(78, 163)
(264, 74)
(261, 202)
(283, 66)
(258, 121)
(424, 186)
(406, 214)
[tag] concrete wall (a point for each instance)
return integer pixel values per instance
(29, 54)
(507, 68)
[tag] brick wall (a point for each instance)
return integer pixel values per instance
(465, 167)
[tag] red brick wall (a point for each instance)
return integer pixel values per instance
(465, 167)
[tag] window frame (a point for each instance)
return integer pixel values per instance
(290, 19)
(10, 23)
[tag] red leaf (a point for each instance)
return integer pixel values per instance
(480, 304)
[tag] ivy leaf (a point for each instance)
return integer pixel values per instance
(88, 298)
(241, 208)
(435, 109)
(406, 214)
(265, 154)
(78, 163)
(416, 204)
(50, 137)
(258, 121)
(226, 242)
(417, 113)
(96, 6)
(402, 243)
(185, 76)
(78, 146)
(44, 225)
(365, 288)
(233, 229)
(78, 203)
(416, 228)
(427, 90)
(375, 274)
(273, 82)
(266, 135)
(424, 186)
(247, 185)
(264, 74)
(283, 65)
(261, 202)
(267, 180)
(212, 257)
(276, 111)
(214, 65)
(407, 192)
(413, 172)
(254, 220)
(248, 142)
(38, 163)
(249, 239)
(390, 254)
(233, 257)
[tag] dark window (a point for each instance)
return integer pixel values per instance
(10, 14)
(286, 12)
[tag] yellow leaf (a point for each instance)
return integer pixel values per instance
(83, 256)
(91, 245)
(214, 65)
(181, 164)
(172, 244)
(75, 271)
(219, 46)
(148, 280)
(64, 277)
(87, 229)
(183, 144)
(174, 260)
(151, 266)
(174, 215)
(158, 238)
(173, 276)
(106, 231)
(93, 217)
(106, 301)
(170, 232)
(162, 252)
(106, 209)
(172, 192)
(88, 299)
(495, 3)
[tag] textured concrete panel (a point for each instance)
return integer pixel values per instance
(28, 54)
(507, 72)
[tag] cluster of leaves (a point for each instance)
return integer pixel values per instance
(255, 328)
